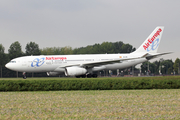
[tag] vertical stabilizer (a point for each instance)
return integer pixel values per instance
(151, 44)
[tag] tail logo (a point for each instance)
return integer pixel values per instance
(154, 45)
(151, 40)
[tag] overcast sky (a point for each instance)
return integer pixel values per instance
(78, 23)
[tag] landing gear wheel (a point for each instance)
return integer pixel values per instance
(78, 76)
(89, 76)
(83, 76)
(24, 75)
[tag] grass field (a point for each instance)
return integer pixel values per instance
(112, 104)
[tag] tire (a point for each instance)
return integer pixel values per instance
(24, 77)
(89, 76)
(77, 76)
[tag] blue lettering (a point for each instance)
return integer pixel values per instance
(154, 45)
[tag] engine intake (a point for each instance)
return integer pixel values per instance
(75, 71)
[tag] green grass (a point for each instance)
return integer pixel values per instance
(112, 104)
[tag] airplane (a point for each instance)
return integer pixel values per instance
(85, 65)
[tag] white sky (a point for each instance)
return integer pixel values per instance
(78, 23)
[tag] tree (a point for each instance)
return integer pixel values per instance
(15, 50)
(47, 51)
(144, 67)
(57, 51)
(156, 67)
(127, 48)
(118, 47)
(2, 58)
(32, 49)
(66, 50)
(105, 47)
(176, 66)
(165, 65)
(51, 51)
(2, 55)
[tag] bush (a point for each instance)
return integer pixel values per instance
(90, 84)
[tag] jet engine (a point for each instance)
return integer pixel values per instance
(53, 73)
(75, 71)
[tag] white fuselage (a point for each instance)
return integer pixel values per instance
(58, 63)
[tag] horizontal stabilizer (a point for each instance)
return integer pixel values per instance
(150, 56)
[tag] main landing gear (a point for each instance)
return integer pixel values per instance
(92, 75)
(88, 76)
(24, 75)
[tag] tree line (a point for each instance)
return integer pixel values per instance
(32, 48)
(161, 67)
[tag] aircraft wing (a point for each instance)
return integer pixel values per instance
(99, 63)
(145, 55)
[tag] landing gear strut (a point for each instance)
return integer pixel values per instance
(24, 75)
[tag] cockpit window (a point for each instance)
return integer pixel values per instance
(12, 62)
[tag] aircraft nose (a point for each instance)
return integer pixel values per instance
(10, 66)
(7, 65)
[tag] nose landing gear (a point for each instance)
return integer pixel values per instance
(24, 75)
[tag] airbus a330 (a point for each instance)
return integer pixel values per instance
(85, 65)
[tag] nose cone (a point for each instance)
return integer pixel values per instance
(7, 65)
(10, 66)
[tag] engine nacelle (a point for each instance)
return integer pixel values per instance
(53, 73)
(75, 71)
